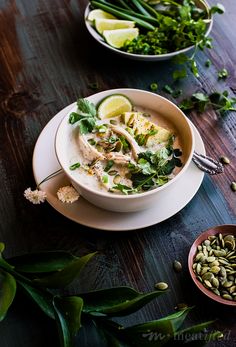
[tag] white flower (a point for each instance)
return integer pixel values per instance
(35, 196)
(67, 194)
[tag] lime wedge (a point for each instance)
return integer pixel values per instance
(94, 14)
(113, 106)
(102, 24)
(116, 38)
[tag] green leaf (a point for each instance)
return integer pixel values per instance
(86, 106)
(66, 275)
(200, 97)
(42, 298)
(7, 292)
(155, 333)
(68, 314)
(180, 59)
(218, 8)
(117, 301)
(178, 74)
(42, 262)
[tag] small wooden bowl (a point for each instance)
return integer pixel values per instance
(224, 230)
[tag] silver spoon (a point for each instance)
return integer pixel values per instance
(207, 164)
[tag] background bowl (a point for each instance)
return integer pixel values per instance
(136, 202)
(224, 230)
(143, 57)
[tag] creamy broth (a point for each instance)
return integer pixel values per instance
(115, 156)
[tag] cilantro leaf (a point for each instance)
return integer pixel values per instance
(86, 107)
(178, 74)
(85, 116)
(200, 102)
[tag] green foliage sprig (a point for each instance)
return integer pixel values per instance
(200, 102)
(41, 275)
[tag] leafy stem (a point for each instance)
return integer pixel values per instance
(37, 273)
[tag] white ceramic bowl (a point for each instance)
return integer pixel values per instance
(142, 57)
(136, 202)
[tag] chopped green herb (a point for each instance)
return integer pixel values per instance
(74, 166)
(208, 63)
(85, 116)
(112, 139)
(101, 128)
(200, 102)
(154, 87)
(219, 8)
(109, 165)
(123, 189)
(222, 74)
(179, 74)
(174, 93)
(105, 179)
(125, 143)
(92, 142)
(168, 89)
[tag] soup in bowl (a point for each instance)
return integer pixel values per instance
(120, 147)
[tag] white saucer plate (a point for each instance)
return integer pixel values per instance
(169, 202)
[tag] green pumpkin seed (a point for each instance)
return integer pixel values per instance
(210, 259)
(227, 296)
(161, 286)
(215, 269)
(177, 266)
(207, 276)
(232, 289)
(198, 268)
(215, 282)
(208, 283)
(215, 291)
(204, 270)
(224, 160)
(227, 284)
(233, 186)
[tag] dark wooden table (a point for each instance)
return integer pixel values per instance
(47, 60)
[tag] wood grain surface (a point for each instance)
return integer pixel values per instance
(47, 61)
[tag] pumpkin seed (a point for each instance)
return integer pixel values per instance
(198, 268)
(224, 160)
(227, 284)
(216, 291)
(233, 186)
(215, 282)
(215, 269)
(211, 259)
(177, 266)
(161, 286)
(208, 283)
(227, 296)
(207, 276)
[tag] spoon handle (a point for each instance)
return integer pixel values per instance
(207, 164)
